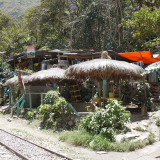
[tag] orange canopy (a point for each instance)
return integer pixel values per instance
(145, 56)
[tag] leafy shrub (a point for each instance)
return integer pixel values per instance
(51, 97)
(108, 121)
(56, 112)
(30, 115)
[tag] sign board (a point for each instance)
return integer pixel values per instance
(30, 52)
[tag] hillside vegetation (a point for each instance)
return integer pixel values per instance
(119, 25)
(17, 8)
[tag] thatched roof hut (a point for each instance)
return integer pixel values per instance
(108, 69)
(49, 75)
(13, 81)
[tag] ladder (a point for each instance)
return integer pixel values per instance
(75, 93)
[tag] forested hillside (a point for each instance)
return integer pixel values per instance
(17, 8)
(120, 25)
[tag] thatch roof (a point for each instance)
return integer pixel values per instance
(24, 73)
(105, 69)
(13, 81)
(152, 68)
(49, 75)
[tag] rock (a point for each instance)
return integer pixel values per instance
(9, 120)
(5, 109)
(142, 137)
(91, 144)
(14, 117)
(101, 152)
(21, 116)
(70, 123)
(131, 135)
(145, 124)
(120, 138)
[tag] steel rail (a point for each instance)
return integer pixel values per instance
(13, 151)
(48, 150)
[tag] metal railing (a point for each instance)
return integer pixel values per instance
(21, 102)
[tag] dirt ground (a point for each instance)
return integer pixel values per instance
(48, 138)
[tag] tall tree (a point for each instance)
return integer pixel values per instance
(47, 23)
(14, 38)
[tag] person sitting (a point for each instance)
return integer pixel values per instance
(104, 55)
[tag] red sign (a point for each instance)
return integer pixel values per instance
(30, 52)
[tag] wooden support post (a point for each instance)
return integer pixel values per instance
(100, 95)
(107, 89)
(41, 99)
(113, 91)
(54, 86)
(119, 91)
(104, 92)
(30, 100)
(144, 108)
(92, 91)
(9, 99)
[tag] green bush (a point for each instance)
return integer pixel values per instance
(107, 122)
(56, 112)
(30, 115)
(51, 97)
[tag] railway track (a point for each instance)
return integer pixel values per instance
(18, 146)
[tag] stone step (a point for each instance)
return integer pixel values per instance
(5, 109)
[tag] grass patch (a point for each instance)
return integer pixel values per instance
(22, 131)
(97, 142)
(138, 128)
(76, 138)
(158, 122)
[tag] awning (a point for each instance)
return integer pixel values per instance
(145, 56)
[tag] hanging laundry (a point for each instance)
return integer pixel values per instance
(153, 77)
(140, 63)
